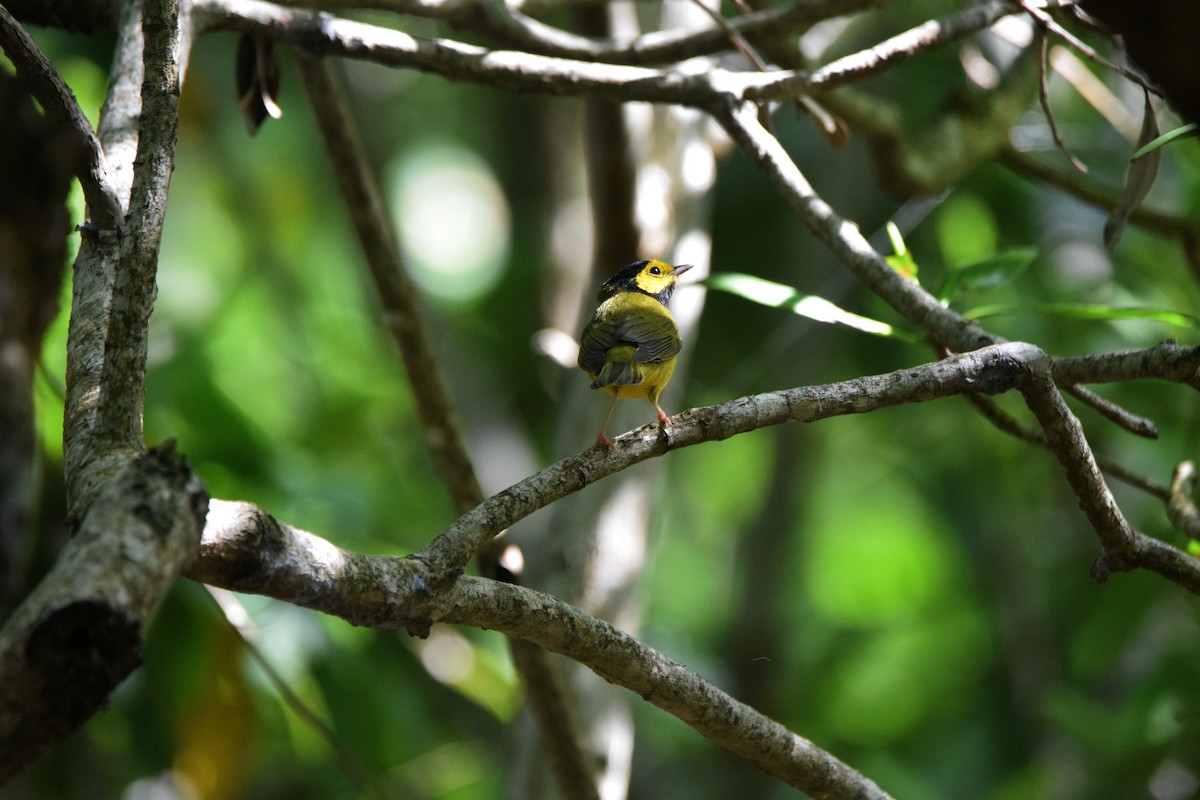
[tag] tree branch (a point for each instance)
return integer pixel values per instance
(435, 408)
(139, 515)
(887, 54)
(60, 106)
(245, 549)
(843, 237)
(1168, 361)
(505, 24)
(79, 633)
(360, 190)
(122, 377)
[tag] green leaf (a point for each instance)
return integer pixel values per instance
(1089, 312)
(1142, 173)
(901, 259)
(996, 270)
(1182, 132)
(818, 309)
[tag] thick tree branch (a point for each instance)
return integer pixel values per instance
(322, 34)
(988, 371)
(1168, 361)
(1124, 548)
(334, 581)
(79, 633)
(624, 661)
(139, 515)
(245, 549)
(121, 390)
(1065, 438)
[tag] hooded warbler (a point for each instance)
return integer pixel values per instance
(630, 345)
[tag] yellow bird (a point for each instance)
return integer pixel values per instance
(630, 345)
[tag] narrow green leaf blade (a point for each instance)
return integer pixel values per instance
(1182, 132)
(818, 309)
(901, 259)
(1088, 311)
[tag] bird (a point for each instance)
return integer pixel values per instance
(629, 346)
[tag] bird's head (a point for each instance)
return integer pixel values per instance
(652, 277)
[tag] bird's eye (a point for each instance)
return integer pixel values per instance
(655, 271)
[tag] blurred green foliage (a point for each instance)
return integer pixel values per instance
(928, 611)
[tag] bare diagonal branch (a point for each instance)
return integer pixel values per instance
(377, 237)
(844, 238)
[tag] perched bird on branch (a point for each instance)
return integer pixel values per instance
(630, 345)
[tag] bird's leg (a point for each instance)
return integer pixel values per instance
(602, 438)
(663, 419)
(664, 424)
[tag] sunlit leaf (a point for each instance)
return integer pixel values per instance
(996, 270)
(901, 259)
(1182, 132)
(1088, 311)
(818, 309)
(1138, 182)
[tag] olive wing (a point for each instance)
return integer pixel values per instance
(654, 337)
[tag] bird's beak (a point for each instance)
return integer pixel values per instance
(679, 270)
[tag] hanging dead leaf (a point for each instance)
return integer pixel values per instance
(257, 76)
(1139, 180)
(831, 126)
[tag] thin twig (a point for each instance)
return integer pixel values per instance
(60, 105)
(1044, 97)
(873, 60)
(435, 408)
(1096, 195)
(1046, 21)
(239, 620)
(376, 235)
(1123, 418)
(1007, 424)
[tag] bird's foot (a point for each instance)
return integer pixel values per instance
(607, 442)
